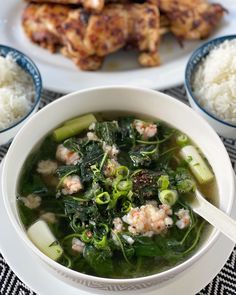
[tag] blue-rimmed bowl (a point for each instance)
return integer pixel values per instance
(222, 127)
(29, 67)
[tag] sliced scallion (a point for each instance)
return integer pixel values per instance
(103, 198)
(182, 139)
(86, 236)
(197, 164)
(100, 243)
(124, 185)
(126, 206)
(168, 197)
(122, 171)
(73, 127)
(163, 182)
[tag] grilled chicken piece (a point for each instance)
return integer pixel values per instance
(191, 20)
(88, 38)
(42, 24)
(74, 32)
(118, 26)
(90, 5)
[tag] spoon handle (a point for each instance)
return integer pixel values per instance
(216, 217)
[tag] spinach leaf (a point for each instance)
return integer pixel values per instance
(158, 247)
(148, 250)
(72, 145)
(126, 138)
(165, 160)
(64, 170)
(92, 154)
(82, 212)
(107, 131)
(125, 160)
(139, 160)
(99, 260)
(144, 155)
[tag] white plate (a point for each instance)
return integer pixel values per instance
(60, 74)
(34, 274)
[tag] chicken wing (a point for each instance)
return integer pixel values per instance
(191, 19)
(88, 38)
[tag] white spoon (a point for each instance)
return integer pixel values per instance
(214, 216)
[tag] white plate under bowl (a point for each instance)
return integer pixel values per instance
(60, 74)
(34, 273)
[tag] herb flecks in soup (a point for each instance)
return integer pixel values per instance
(109, 198)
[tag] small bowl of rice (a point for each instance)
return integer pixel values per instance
(20, 91)
(210, 82)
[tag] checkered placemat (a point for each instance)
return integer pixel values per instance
(223, 284)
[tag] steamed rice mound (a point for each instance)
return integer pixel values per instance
(16, 92)
(214, 83)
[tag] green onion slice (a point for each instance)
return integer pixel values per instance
(103, 198)
(168, 197)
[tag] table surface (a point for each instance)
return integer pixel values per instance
(223, 284)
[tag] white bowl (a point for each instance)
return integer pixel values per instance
(222, 127)
(133, 100)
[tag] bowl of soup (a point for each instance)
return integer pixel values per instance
(101, 191)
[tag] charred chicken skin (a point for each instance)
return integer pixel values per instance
(90, 5)
(88, 38)
(42, 24)
(191, 20)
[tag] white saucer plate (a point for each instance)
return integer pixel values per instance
(60, 74)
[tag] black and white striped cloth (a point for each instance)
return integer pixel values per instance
(223, 284)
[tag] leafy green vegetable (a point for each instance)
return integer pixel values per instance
(72, 144)
(107, 131)
(92, 154)
(84, 213)
(66, 170)
(126, 138)
(99, 260)
(184, 181)
(144, 155)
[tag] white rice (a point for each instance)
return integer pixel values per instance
(16, 92)
(214, 83)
